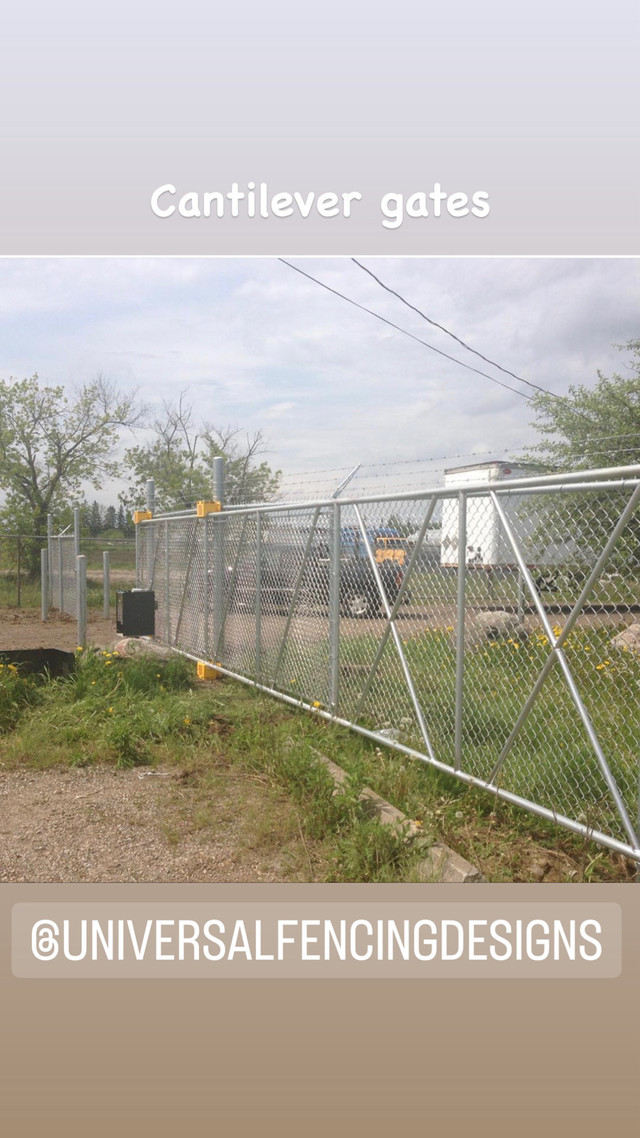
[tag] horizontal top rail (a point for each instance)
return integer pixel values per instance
(615, 477)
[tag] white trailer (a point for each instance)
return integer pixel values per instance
(487, 545)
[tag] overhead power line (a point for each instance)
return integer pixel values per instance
(390, 323)
(442, 328)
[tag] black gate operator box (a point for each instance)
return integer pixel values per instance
(136, 612)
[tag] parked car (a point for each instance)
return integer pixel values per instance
(359, 593)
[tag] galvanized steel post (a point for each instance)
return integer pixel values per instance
(81, 599)
(218, 558)
(61, 576)
(137, 532)
(462, 580)
(44, 584)
(76, 530)
(148, 535)
(258, 595)
(106, 585)
(167, 582)
(334, 611)
(206, 582)
(50, 558)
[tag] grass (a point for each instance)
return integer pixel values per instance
(551, 762)
(150, 711)
(147, 711)
(30, 592)
(500, 588)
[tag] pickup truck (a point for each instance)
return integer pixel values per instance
(359, 592)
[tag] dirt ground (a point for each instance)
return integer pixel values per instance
(100, 824)
(23, 628)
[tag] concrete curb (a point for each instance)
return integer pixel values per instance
(441, 863)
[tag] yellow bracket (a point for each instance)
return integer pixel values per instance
(204, 508)
(206, 671)
(142, 516)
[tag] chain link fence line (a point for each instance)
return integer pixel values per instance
(19, 553)
(489, 626)
(64, 575)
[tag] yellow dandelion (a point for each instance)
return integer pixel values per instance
(316, 703)
(186, 720)
(79, 648)
(110, 710)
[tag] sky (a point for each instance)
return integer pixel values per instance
(260, 347)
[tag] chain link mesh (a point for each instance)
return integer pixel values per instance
(62, 574)
(434, 627)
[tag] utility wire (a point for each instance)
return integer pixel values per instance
(404, 331)
(561, 398)
(442, 328)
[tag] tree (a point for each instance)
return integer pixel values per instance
(94, 519)
(52, 443)
(179, 459)
(594, 426)
(110, 518)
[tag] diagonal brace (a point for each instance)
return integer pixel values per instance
(558, 654)
(396, 636)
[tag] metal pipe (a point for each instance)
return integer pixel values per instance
(44, 585)
(334, 607)
(138, 573)
(50, 558)
(462, 581)
(396, 605)
(167, 583)
(218, 478)
(81, 599)
(345, 481)
(218, 557)
(258, 659)
(626, 477)
(207, 583)
(19, 573)
(480, 490)
(61, 581)
(150, 495)
(76, 531)
(396, 638)
(106, 584)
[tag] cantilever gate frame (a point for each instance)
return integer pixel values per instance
(197, 568)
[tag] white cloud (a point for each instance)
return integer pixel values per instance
(261, 347)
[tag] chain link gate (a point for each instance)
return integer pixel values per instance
(503, 659)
